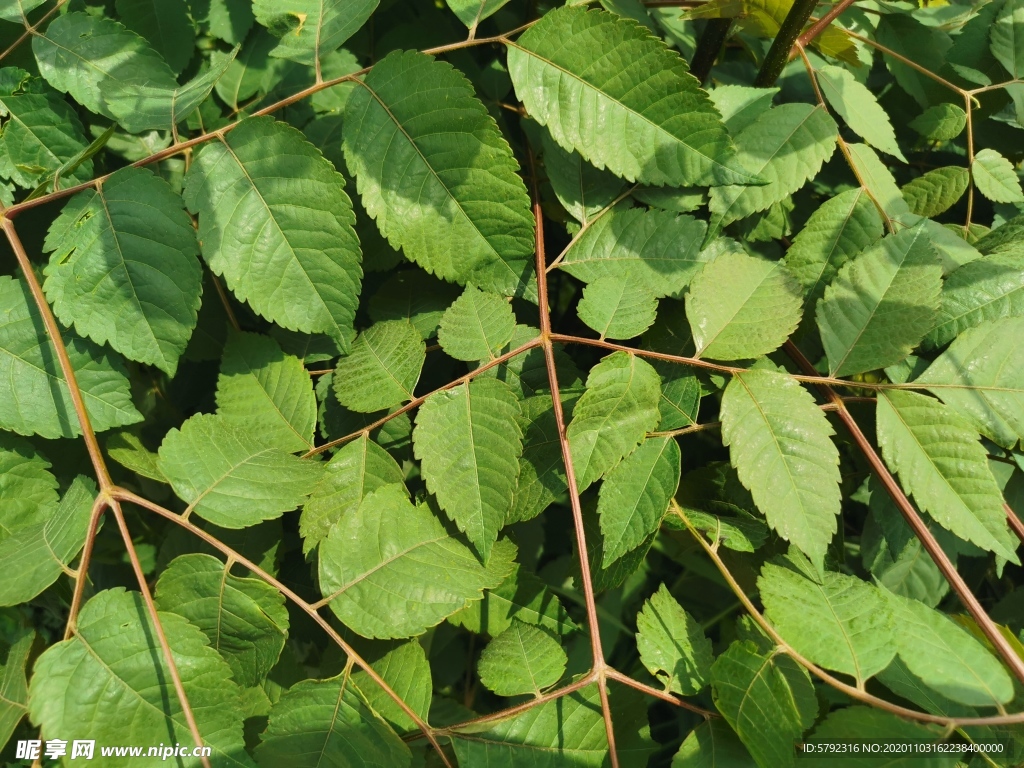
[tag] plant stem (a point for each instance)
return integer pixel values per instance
(716, 31)
(782, 45)
(821, 24)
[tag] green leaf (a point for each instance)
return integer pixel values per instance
(617, 309)
(1006, 37)
(382, 368)
(941, 122)
(34, 396)
(266, 392)
(231, 477)
(568, 731)
(741, 306)
(583, 190)
(854, 723)
(859, 108)
(275, 222)
(657, 250)
(785, 146)
(128, 450)
(681, 392)
(877, 179)
(936, 191)
(672, 645)
(124, 268)
(636, 494)
(244, 619)
(836, 232)
(649, 122)
(35, 553)
(328, 722)
(780, 443)
(13, 683)
(476, 326)
(28, 490)
(756, 697)
(115, 646)
(356, 471)
(741, 105)
(472, 12)
(406, 670)
(468, 441)
(522, 659)
(610, 420)
(115, 73)
(311, 29)
(462, 215)
(881, 304)
(389, 569)
(16, 11)
(842, 623)
(981, 376)
(164, 24)
(41, 135)
(542, 476)
(990, 288)
(416, 297)
(996, 177)
(946, 658)
(940, 462)
(521, 596)
(712, 744)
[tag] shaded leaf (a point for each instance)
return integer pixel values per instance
(310, 29)
(672, 645)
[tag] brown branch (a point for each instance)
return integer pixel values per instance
(165, 646)
(53, 331)
(820, 25)
(416, 402)
(614, 674)
(132, 498)
(1015, 522)
(99, 506)
(518, 709)
(599, 664)
(30, 29)
(910, 514)
(851, 691)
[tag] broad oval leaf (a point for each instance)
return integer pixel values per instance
(672, 645)
(275, 222)
(468, 441)
(522, 659)
(311, 29)
(463, 215)
(881, 304)
(124, 268)
(859, 108)
(231, 477)
(741, 307)
(617, 309)
(28, 489)
(780, 443)
(389, 569)
(996, 177)
(649, 122)
(476, 326)
(382, 368)
(936, 191)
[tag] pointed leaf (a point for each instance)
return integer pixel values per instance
(34, 396)
(1007, 37)
(636, 494)
(583, 190)
(275, 222)
(672, 645)
(476, 326)
(712, 744)
(406, 670)
(989, 288)
(115, 648)
(266, 392)
(780, 443)
(940, 462)
(436, 174)
(996, 177)
(415, 297)
(658, 250)
(946, 658)
(522, 659)
(881, 304)
(382, 369)
(244, 619)
(164, 24)
(859, 108)
(28, 490)
(936, 191)
(230, 477)
(310, 29)
(468, 441)
(842, 623)
(648, 123)
(740, 307)
(785, 146)
(13, 683)
(356, 471)
(472, 12)
(941, 122)
(610, 420)
(981, 376)
(328, 722)
(389, 569)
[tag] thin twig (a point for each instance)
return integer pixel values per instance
(31, 29)
(99, 506)
(821, 25)
(614, 674)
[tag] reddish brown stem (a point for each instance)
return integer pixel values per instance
(214, 542)
(158, 627)
(614, 674)
(95, 515)
(1015, 522)
(820, 25)
(928, 540)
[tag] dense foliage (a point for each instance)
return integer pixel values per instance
(495, 383)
